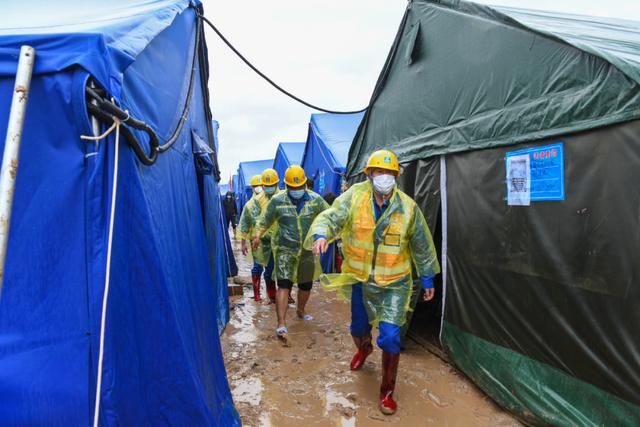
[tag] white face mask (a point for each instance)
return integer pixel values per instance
(296, 194)
(383, 184)
(257, 190)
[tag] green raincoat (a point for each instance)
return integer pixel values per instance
(289, 229)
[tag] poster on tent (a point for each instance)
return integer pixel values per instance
(535, 174)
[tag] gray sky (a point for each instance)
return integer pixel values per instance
(328, 52)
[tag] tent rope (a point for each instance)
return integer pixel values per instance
(265, 77)
(107, 280)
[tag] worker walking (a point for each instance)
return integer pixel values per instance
(230, 211)
(246, 231)
(289, 216)
(383, 231)
(262, 251)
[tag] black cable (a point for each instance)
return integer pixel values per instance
(261, 74)
(187, 103)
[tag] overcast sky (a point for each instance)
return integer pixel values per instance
(328, 52)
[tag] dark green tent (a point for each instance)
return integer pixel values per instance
(519, 134)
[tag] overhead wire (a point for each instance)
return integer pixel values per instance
(265, 77)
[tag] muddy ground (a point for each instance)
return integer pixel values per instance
(310, 384)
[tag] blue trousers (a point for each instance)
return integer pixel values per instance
(389, 337)
(258, 269)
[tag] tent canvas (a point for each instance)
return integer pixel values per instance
(327, 149)
(235, 187)
(245, 171)
(540, 301)
(163, 362)
(287, 154)
(232, 266)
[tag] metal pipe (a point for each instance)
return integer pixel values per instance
(9, 170)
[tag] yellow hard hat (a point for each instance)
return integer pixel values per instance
(382, 159)
(270, 177)
(294, 176)
(256, 180)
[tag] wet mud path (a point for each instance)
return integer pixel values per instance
(310, 383)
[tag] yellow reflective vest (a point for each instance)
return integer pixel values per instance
(380, 251)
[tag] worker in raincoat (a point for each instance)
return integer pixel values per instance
(383, 233)
(289, 215)
(262, 252)
(246, 231)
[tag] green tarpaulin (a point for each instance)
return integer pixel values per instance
(540, 302)
(462, 76)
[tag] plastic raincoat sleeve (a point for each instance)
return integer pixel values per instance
(331, 222)
(268, 219)
(246, 224)
(423, 251)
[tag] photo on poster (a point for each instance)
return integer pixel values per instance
(518, 180)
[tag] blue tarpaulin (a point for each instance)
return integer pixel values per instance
(235, 186)
(325, 158)
(245, 171)
(231, 265)
(162, 357)
(287, 154)
(327, 149)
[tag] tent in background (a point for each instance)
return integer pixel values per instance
(245, 171)
(236, 186)
(162, 355)
(231, 265)
(530, 127)
(327, 149)
(219, 244)
(287, 154)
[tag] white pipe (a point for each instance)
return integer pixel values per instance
(445, 245)
(12, 142)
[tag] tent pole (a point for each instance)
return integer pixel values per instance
(12, 142)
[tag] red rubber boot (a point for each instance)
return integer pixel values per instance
(364, 349)
(390, 361)
(271, 291)
(256, 287)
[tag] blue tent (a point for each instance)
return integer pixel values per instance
(236, 189)
(288, 153)
(327, 149)
(245, 171)
(162, 356)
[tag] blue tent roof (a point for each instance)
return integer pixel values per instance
(287, 154)
(248, 169)
(327, 149)
(245, 171)
(234, 182)
(162, 357)
(104, 38)
(236, 189)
